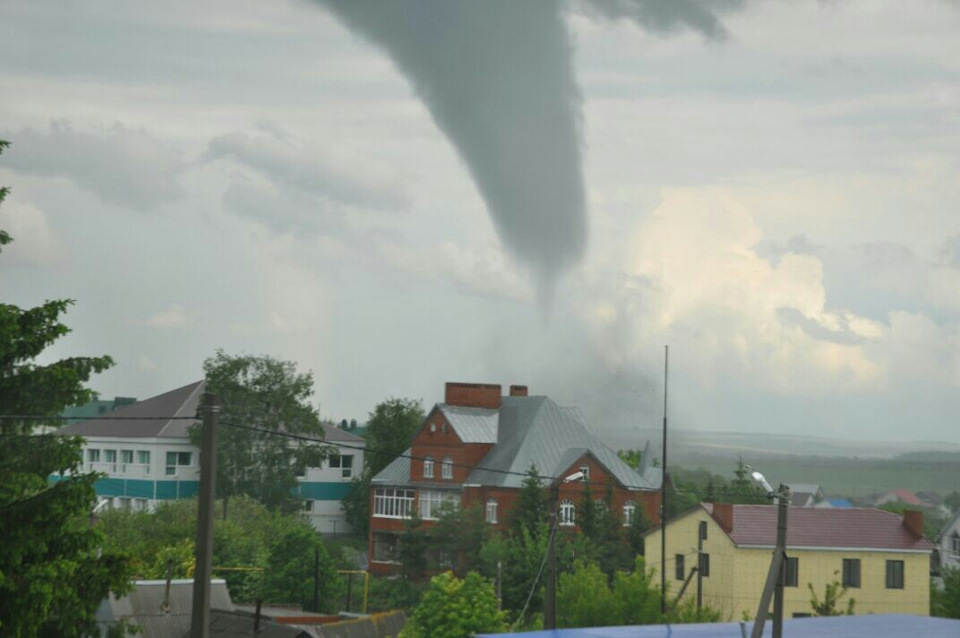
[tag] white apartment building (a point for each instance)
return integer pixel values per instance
(148, 460)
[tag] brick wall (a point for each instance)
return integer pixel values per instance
(473, 395)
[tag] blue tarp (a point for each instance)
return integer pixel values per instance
(876, 626)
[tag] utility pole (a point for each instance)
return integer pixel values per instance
(316, 583)
(550, 604)
(663, 492)
(775, 577)
(200, 620)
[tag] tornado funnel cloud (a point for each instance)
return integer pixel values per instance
(497, 78)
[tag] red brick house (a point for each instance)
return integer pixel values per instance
(477, 446)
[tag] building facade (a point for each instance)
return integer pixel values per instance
(147, 459)
(948, 543)
(882, 558)
(477, 447)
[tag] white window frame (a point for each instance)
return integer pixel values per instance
(93, 456)
(143, 459)
(390, 502)
(173, 469)
(428, 467)
(431, 502)
(307, 506)
(568, 513)
(110, 458)
(446, 468)
(492, 507)
(955, 544)
(344, 463)
(126, 458)
(586, 473)
(629, 511)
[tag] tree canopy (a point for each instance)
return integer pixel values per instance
(270, 395)
(52, 577)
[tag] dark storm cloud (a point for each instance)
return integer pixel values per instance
(497, 79)
(667, 16)
(120, 165)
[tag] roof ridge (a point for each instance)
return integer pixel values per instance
(199, 386)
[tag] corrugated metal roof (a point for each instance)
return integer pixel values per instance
(144, 606)
(536, 431)
(874, 626)
(334, 435)
(180, 402)
(472, 425)
(855, 527)
(397, 472)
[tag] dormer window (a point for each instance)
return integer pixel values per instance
(428, 467)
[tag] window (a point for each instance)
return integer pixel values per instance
(178, 459)
(126, 458)
(307, 506)
(681, 571)
(140, 504)
(705, 565)
(447, 467)
(143, 458)
(93, 456)
(792, 575)
(344, 463)
(585, 469)
(124, 503)
(492, 511)
(428, 467)
(851, 573)
(703, 530)
(629, 511)
(894, 574)
(568, 513)
(110, 457)
(393, 503)
(432, 503)
(955, 544)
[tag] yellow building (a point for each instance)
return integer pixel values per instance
(881, 557)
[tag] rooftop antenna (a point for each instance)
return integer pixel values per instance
(663, 491)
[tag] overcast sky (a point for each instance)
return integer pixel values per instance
(545, 198)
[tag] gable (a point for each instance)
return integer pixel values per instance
(436, 430)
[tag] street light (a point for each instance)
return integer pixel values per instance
(550, 604)
(778, 565)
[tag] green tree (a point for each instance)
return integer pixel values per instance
(531, 510)
(945, 599)
(52, 577)
(637, 597)
(412, 550)
(390, 428)
(832, 594)
(289, 575)
(584, 598)
(633, 458)
(268, 394)
(454, 608)
(459, 534)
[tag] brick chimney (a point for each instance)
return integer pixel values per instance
(913, 521)
(723, 513)
(473, 395)
(518, 390)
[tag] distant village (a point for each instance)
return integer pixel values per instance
(479, 450)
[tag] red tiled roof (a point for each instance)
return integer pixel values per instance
(907, 497)
(855, 527)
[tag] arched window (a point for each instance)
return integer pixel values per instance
(428, 467)
(447, 467)
(568, 513)
(492, 511)
(629, 511)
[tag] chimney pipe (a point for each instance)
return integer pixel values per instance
(723, 513)
(518, 390)
(913, 521)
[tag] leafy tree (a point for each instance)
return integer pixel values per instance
(832, 594)
(945, 600)
(268, 394)
(952, 500)
(636, 595)
(454, 608)
(584, 598)
(52, 577)
(289, 575)
(460, 533)
(531, 510)
(412, 550)
(633, 458)
(390, 428)
(520, 558)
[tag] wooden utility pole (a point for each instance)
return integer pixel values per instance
(775, 577)
(663, 492)
(200, 621)
(550, 604)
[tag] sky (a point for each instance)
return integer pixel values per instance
(518, 193)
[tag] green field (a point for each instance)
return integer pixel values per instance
(839, 477)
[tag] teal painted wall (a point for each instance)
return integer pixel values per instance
(170, 490)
